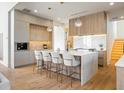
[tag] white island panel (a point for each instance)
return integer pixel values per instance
(89, 66)
(120, 73)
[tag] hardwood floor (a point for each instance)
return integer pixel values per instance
(25, 79)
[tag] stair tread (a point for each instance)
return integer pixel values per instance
(117, 49)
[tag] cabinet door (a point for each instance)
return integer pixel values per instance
(38, 33)
(22, 58)
(70, 28)
(87, 25)
(22, 31)
(101, 23)
(45, 35)
(73, 30)
(83, 28)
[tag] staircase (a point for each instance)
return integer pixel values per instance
(117, 50)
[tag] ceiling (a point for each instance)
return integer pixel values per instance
(63, 12)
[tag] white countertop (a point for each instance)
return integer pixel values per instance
(72, 52)
(79, 53)
(120, 62)
(76, 53)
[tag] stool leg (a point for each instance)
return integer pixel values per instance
(50, 70)
(57, 72)
(80, 74)
(41, 70)
(37, 66)
(67, 71)
(62, 74)
(33, 67)
(72, 77)
(47, 69)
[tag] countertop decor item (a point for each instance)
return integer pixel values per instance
(101, 46)
(45, 46)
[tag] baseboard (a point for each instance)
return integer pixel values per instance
(24, 65)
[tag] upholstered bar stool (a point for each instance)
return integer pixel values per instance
(38, 60)
(58, 62)
(47, 60)
(70, 63)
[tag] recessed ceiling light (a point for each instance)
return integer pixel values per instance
(111, 3)
(122, 17)
(49, 8)
(35, 11)
(61, 2)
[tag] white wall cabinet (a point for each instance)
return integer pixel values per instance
(120, 74)
(23, 58)
(21, 31)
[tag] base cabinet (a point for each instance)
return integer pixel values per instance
(102, 58)
(23, 58)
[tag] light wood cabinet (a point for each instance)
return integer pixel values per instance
(72, 28)
(102, 58)
(39, 33)
(91, 24)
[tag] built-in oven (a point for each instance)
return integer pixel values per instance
(22, 46)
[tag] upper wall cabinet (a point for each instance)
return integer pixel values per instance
(39, 33)
(21, 31)
(91, 25)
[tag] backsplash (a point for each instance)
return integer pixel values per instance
(38, 45)
(90, 41)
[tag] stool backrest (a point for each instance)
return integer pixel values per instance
(68, 59)
(56, 58)
(38, 55)
(46, 56)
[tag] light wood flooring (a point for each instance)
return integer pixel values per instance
(24, 78)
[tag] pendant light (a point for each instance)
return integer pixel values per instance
(78, 22)
(49, 28)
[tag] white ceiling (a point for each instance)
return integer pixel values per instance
(62, 12)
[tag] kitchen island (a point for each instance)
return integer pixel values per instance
(89, 64)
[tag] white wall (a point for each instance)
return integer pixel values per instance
(4, 27)
(59, 38)
(11, 39)
(1, 46)
(111, 35)
(120, 29)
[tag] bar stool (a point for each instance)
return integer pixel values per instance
(38, 60)
(70, 62)
(58, 62)
(47, 61)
